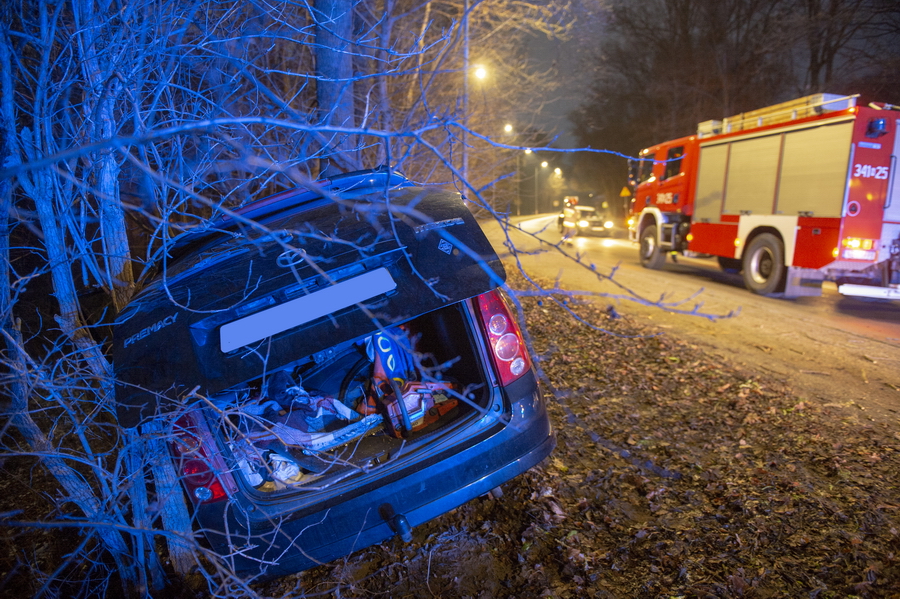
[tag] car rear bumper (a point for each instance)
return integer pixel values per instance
(339, 527)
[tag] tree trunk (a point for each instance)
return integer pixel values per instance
(170, 498)
(137, 492)
(334, 71)
(102, 82)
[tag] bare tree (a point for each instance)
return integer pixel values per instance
(124, 124)
(831, 30)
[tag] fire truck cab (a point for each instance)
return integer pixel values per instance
(790, 195)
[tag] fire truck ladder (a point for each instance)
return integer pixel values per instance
(778, 113)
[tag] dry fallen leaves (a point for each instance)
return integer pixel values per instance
(778, 496)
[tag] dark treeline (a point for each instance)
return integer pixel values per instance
(665, 65)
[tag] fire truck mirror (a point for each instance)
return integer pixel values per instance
(876, 128)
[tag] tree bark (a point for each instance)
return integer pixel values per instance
(104, 87)
(334, 71)
(169, 498)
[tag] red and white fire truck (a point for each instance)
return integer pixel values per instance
(792, 195)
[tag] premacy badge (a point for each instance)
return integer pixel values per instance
(151, 329)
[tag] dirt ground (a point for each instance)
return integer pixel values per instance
(675, 476)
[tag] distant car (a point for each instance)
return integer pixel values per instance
(584, 220)
(336, 367)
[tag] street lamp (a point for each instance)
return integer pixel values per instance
(537, 172)
(480, 73)
(466, 66)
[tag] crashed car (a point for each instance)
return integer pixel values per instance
(336, 365)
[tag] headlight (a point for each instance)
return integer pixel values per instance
(608, 224)
(583, 223)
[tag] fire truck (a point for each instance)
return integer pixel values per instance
(790, 195)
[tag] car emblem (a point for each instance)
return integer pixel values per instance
(289, 258)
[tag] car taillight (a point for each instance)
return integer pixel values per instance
(193, 462)
(508, 350)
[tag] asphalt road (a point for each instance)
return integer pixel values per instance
(837, 351)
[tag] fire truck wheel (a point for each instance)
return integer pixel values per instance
(764, 270)
(651, 256)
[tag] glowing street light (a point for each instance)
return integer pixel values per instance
(508, 128)
(480, 72)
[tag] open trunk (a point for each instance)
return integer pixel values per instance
(336, 414)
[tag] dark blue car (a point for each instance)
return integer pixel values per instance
(334, 367)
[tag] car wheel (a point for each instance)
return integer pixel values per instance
(651, 256)
(729, 265)
(764, 270)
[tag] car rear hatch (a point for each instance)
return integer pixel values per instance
(292, 280)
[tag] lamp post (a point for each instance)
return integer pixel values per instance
(480, 73)
(465, 155)
(508, 130)
(537, 173)
(519, 168)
